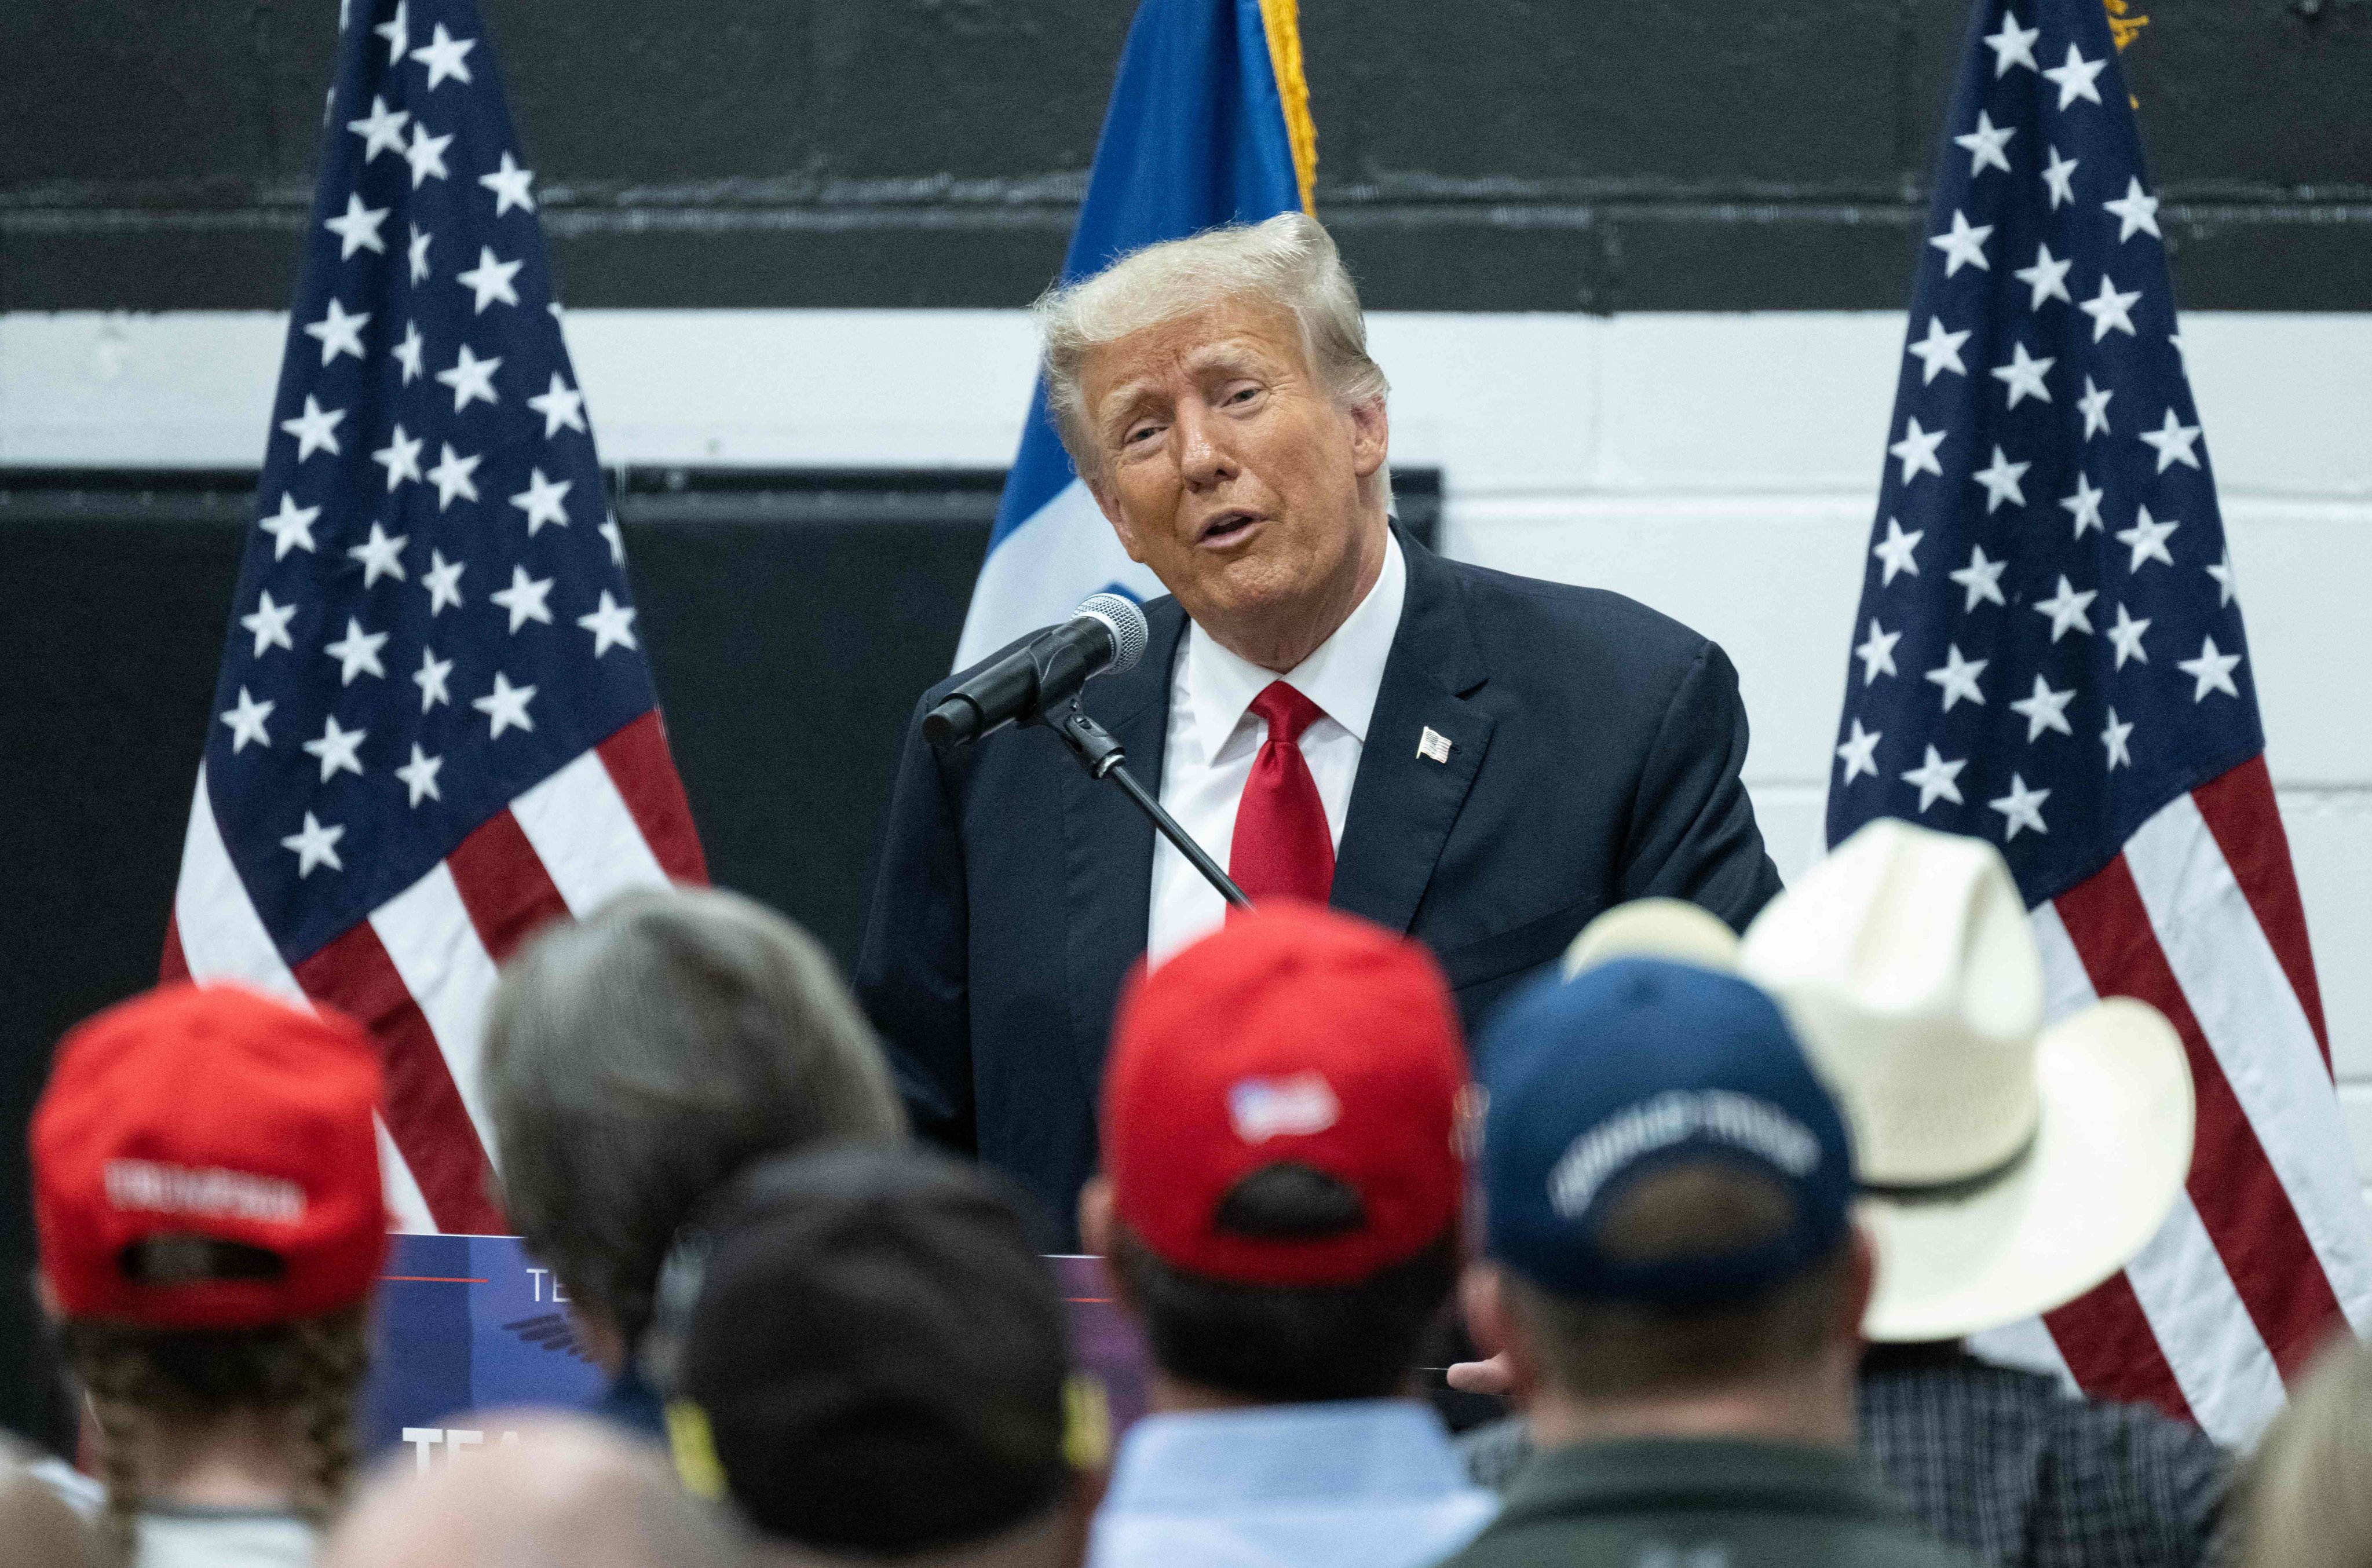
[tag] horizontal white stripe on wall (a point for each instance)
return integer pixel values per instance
(1788, 401)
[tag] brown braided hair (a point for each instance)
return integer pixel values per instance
(311, 1368)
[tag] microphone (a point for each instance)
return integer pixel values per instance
(1105, 635)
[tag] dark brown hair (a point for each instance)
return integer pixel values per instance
(1289, 1343)
(1703, 1208)
(311, 1368)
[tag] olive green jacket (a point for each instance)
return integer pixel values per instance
(1701, 1503)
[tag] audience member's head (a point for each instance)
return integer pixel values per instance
(206, 1189)
(1667, 1193)
(864, 1350)
(2304, 1503)
(1282, 1180)
(570, 1494)
(638, 1059)
(2006, 1168)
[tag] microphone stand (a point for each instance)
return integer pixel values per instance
(1098, 752)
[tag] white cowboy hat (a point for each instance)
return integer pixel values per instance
(2005, 1168)
(1655, 928)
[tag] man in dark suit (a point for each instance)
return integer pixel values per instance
(1333, 711)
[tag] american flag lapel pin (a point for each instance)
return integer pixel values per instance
(1433, 745)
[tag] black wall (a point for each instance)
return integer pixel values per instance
(1489, 154)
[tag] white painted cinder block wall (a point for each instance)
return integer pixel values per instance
(1721, 468)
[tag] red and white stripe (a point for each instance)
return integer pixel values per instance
(2269, 1249)
(419, 970)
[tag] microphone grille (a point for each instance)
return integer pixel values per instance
(1129, 630)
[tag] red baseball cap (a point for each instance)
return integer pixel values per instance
(1291, 1036)
(204, 1158)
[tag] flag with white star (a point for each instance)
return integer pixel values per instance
(437, 728)
(2049, 654)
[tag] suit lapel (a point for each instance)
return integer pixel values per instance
(1107, 844)
(1404, 802)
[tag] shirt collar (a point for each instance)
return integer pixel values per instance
(1628, 1475)
(1335, 1451)
(1343, 676)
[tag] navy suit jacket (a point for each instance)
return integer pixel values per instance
(1595, 749)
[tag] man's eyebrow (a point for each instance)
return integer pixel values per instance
(1122, 401)
(1226, 353)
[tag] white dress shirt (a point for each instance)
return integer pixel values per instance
(1364, 1483)
(1213, 736)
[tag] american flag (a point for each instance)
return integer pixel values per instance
(436, 728)
(2049, 654)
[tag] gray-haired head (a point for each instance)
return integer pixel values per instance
(636, 1060)
(1288, 262)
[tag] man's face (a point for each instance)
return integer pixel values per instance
(1232, 472)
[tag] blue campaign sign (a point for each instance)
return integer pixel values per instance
(473, 1323)
(468, 1322)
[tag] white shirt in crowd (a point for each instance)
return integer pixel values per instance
(1214, 738)
(174, 1537)
(1363, 1483)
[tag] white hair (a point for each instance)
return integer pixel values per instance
(1288, 262)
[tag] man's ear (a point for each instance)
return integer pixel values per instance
(1098, 1227)
(1499, 1332)
(1096, 1215)
(1480, 1293)
(1860, 1284)
(603, 1343)
(1371, 436)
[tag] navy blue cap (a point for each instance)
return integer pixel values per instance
(1632, 1067)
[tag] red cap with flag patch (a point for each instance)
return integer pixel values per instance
(1292, 1041)
(204, 1159)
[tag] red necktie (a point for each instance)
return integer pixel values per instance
(1281, 846)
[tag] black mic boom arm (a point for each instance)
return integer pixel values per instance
(1098, 752)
